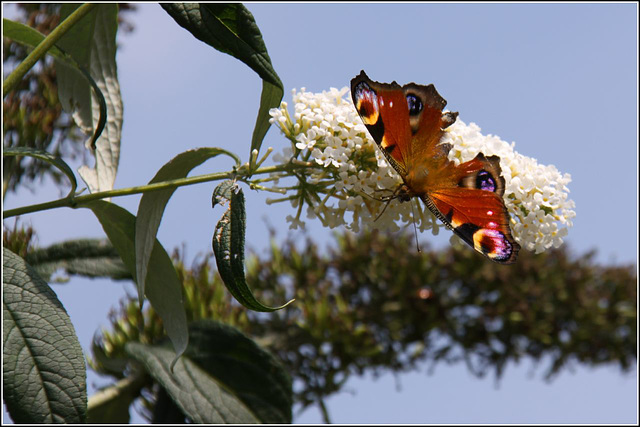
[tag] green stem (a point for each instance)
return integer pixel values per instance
(41, 50)
(72, 201)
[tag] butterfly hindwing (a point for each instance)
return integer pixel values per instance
(475, 210)
(407, 124)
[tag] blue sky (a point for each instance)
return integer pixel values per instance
(558, 79)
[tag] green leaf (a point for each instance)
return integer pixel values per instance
(231, 28)
(270, 98)
(228, 246)
(152, 204)
(77, 41)
(163, 289)
(44, 374)
(27, 36)
(92, 44)
(47, 157)
(252, 373)
(83, 257)
(199, 396)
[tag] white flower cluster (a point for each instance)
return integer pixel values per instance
(346, 175)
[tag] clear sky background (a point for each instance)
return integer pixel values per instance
(558, 79)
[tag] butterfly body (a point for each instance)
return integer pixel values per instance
(408, 125)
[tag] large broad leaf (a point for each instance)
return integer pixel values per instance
(92, 43)
(228, 245)
(199, 396)
(44, 374)
(163, 289)
(252, 373)
(83, 257)
(152, 204)
(231, 28)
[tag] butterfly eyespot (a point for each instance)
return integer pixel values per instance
(485, 181)
(415, 105)
(492, 243)
(366, 103)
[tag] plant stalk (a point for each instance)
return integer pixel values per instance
(41, 50)
(72, 202)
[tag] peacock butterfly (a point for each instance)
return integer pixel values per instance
(407, 123)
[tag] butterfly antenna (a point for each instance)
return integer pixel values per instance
(415, 228)
(383, 209)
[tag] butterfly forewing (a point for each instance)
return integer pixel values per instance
(405, 121)
(377, 100)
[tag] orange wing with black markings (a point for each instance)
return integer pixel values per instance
(408, 124)
(475, 210)
(396, 116)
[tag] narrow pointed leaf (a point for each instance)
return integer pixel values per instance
(47, 157)
(199, 396)
(44, 374)
(163, 289)
(152, 204)
(252, 373)
(228, 246)
(270, 98)
(231, 28)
